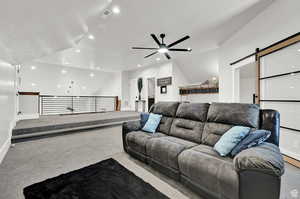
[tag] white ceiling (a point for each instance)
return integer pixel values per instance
(34, 28)
(55, 29)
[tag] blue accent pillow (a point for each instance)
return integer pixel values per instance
(144, 118)
(152, 123)
(253, 139)
(230, 139)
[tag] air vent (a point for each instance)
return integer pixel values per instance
(106, 12)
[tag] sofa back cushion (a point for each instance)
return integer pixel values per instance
(223, 116)
(168, 112)
(189, 121)
(193, 111)
(235, 114)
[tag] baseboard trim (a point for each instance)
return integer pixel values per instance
(4, 149)
(27, 116)
(290, 154)
(291, 158)
(292, 161)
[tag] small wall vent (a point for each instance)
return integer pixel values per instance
(106, 13)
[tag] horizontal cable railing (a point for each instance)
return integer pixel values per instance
(55, 105)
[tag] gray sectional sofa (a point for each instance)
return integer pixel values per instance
(182, 148)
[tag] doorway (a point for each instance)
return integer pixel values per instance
(133, 93)
(245, 87)
(247, 83)
(151, 92)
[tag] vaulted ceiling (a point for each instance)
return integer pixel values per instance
(58, 31)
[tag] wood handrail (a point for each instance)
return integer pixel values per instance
(29, 93)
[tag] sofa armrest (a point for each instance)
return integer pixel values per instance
(265, 158)
(128, 127)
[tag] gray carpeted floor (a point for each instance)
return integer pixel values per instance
(49, 120)
(34, 161)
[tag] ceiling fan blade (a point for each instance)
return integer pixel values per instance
(167, 56)
(180, 49)
(142, 48)
(178, 41)
(155, 39)
(151, 54)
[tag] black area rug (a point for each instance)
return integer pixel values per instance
(107, 179)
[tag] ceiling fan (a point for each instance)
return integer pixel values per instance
(163, 48)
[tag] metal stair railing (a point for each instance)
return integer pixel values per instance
(56, 105)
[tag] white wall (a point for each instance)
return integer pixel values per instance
(125, 105)
(278, 21)
(167, 69)
(247, 89)
(199, 66)
(7, 105)
(49, 80)
(28, 107)
(157, 71)
(201, 98)
(179, 79)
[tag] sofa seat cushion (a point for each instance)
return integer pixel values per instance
(137, 140)
(208, 150)
(214, 174)
(165, 150)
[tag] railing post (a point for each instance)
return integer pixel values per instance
(72, 104)
(42, 105)
(116, 103)
(95, 104)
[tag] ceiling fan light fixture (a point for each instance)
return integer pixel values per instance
(163, 50)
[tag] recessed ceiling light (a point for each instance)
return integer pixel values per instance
(163, 50)
(157, 59)
(63, 71)
(91, 37)
(58, 86)
(33, 84)
(33, 67)
(139, 65)
(92, 75)
(77, 50)
(116, 10)
(298, 50)
(83, 87)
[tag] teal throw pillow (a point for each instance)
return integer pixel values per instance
(152, 123)
(230, 139)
